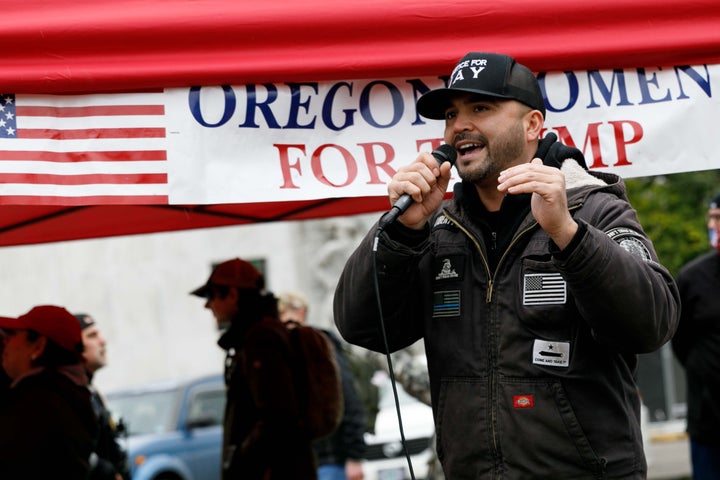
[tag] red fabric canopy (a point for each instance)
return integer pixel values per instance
(30, 224)
(86, 46)
(89, 46)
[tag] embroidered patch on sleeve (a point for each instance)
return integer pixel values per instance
(443, 223)
(631, 241)
(544, 289)
(446, 304)
(554, 354)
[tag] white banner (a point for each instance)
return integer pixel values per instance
(300, 141)
(341, 139)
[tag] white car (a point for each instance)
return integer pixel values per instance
(385, 456)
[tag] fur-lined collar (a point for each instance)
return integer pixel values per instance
(577, 176)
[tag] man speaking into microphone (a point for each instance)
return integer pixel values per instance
(534, 288)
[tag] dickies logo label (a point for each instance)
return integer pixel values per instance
(523, 401)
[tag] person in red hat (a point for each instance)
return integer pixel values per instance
(48, 425)
(4, 378)
(262, 437)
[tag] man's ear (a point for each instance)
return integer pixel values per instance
(233, 294)
(38, 347)
(534, 124)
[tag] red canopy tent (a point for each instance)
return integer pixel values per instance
(85, 46)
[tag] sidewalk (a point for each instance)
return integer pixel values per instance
(668, 456)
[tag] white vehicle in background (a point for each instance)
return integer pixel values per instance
(385, 457)
(665, 442)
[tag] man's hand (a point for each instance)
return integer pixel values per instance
(549, 200)
(426, 182)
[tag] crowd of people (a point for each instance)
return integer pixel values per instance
(55, 422)
(52, 423)
(534, 288)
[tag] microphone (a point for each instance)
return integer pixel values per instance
(444, 153)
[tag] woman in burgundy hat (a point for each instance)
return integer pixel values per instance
(48, 428)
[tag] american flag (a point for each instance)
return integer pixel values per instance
(446, 304)
(544, 289)
(83, 149)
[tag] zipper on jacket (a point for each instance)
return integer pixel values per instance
(492, 378)
(512, 243)
(505, 253)
(491, 275)
(477, 246)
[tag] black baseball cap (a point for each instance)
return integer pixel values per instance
(492, 74)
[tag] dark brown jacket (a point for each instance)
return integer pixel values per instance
(262, 440)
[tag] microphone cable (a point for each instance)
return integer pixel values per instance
(387, 351)
(444, 153)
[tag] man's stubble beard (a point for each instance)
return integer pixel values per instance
(504, 151)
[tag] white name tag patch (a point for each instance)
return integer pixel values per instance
(554, 354)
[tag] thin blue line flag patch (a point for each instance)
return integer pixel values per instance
(446, 303)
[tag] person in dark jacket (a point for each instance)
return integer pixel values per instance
(534, 288)
(109, 460)
(5, 380)
(340, 455)
(262, 434)
(697, 347)
(48, 427)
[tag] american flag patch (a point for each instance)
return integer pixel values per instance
(544, 289)
(446, 303)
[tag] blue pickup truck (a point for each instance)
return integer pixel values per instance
(172, 430)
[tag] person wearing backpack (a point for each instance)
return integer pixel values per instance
(340, 454)
(263, 433)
